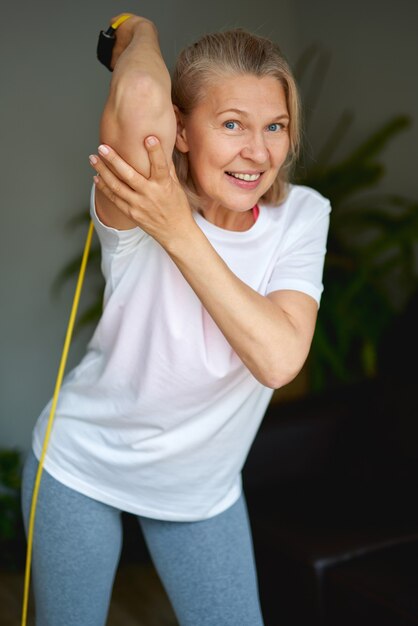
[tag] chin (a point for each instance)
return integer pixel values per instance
(243, 204)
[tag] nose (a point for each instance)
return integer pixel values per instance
(255, 148)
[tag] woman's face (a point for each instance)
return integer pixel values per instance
(236, 140)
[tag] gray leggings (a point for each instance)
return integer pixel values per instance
(207, 567)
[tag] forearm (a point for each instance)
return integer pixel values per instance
(270, 341)
(139, 102)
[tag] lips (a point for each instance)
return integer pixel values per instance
(244, 180)
(245, 176)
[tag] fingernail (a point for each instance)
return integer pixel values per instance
(152, 141)
(96, 180)
(103, 150)
(93, 159)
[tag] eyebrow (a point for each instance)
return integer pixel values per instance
(280, 116)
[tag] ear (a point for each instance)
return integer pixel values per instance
(181, 136)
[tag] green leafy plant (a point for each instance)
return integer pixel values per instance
(370, 247)
(370, 270)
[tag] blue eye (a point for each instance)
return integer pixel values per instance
(274, 127)
(230, 125)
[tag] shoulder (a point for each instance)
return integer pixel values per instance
(302, 191)
(301, 206)
(300, 196)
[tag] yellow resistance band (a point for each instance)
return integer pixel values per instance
(60, 375)
(122, 18)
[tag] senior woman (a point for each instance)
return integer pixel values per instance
(213, 265)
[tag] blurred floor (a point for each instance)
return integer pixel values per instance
(138, 599)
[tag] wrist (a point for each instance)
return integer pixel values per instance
(184, 241)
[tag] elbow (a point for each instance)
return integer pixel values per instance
(133, 95)
(136, 108)
(141, 86)
(279, 373)
(275, 380)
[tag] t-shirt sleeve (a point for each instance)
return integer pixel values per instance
(118, 247)
(301, 262)
(114, 241)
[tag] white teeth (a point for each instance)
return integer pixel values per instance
(247, 177)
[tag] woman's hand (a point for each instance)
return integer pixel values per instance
(157, 204)
(125, 34)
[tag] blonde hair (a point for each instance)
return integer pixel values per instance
(235, 52)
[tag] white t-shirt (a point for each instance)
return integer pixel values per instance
(158, 417)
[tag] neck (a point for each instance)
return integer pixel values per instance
(229, 220)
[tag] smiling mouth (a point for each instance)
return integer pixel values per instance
(246, 177)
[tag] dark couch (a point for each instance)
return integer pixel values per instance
(331, 485)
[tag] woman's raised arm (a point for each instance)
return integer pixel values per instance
(138, 105)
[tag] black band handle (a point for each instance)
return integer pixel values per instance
(105, 46)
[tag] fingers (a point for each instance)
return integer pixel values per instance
(110, 160)
(115, 178)
(158, 161)
(122, 184)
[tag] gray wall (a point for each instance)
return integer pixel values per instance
(51, 96)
